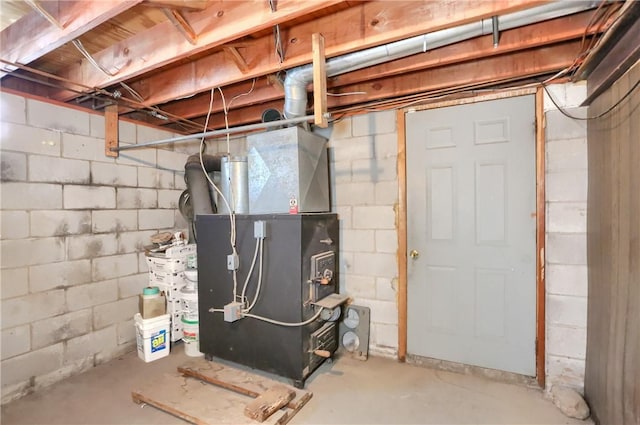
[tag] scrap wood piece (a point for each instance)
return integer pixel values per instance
(267, 403)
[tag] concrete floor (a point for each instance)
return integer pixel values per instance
(346, 391)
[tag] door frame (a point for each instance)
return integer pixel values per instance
(540, 216)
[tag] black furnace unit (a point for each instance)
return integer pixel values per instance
(299, 268)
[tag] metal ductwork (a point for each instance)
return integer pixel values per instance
(197, 183)
(297, 79)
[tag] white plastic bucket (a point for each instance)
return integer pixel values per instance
(152, 337)
(190, 305)
(191, 337)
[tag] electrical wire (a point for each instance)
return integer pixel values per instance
(611, 108)
(346, 94)
(277, 322)
(253, 264)
(255, 297)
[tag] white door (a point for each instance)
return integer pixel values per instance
(471, 204)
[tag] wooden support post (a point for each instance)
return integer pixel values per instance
(111, 138)
(319, 82)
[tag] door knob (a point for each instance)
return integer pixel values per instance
(414, 254)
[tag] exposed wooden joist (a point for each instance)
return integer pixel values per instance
(550, 32)
(181, 24)
(31, 37)
(160, 45)
(233, 53)
(178, 4)
(370, 23)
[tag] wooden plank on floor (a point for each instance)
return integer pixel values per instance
(204, 392)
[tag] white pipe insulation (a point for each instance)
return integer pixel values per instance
(297, 79)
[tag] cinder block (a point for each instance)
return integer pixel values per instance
(13, 166)
(22, 138)
(113, 175)
(374, 170)
(386, 193)
(374, 123)
(179, 180)
(16, 341)
(58, 170)
(86, 346)
(359, 286)
(127, 131)
(559, 94)
(340, 172)
(152, 177)
(168, 198)
(566, 341)
(14, 109)
(89, 197)
(567, 155)
(180, 222)
(151, 134)
(377, 265)
(60, 223)
(91, 246)
(566, 248)
(67, 370)
(134, 241)
(576, 93)
(114, 266)
(386, 146)
(566, 186)
(386, 289)
(96, 126)
(29, 252)
(561, 127)
(31, 196)
(60, 328)
(567, 217)
(116, 312)
(353, 194)
(15, 224)
(113, 353)
(567, 280)
(155, 219)
(565, 371)
(138, 157)
(351, 149)
(374, 217)
(344, 216)
(386, 241)
(35, 363)
(59, 275)
(83, 147)
(47, 115)
(27, 309)
(137, 198)
(341, 129)
(346, 264)
(131, 286)
(107, 221)
(92, 294)
(126, 332)
(567, 310)
(385, 335)
(381, 311)
(357, 240)
(170, 160)
(15, 282)
(142, 263)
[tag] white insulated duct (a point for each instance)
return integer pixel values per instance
(297, 79)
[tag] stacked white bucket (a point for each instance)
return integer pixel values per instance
(190, 325)
(167, 272)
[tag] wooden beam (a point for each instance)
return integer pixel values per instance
(181, 24)
(32, 37)
(111, 137)
(540, 239)
(319, 82)
(159, 46)
(178, 4)
(549, 32)
(401, 220)
(369, 24)
(236, 57)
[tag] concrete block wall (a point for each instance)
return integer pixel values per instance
(566, 250)
(74, 223)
